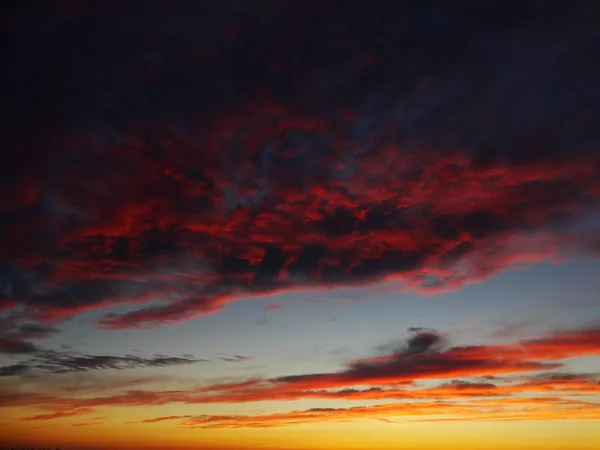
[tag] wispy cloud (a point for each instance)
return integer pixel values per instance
(87, 424)
(518, 409)
(234, 358)
(61, 414)
(162, 419)
(68, 362)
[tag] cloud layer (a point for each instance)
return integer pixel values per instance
(424, 377)
(225, 153)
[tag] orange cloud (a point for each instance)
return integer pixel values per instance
(87, 424)
(61, 414)
(162, 419)
(544, 408)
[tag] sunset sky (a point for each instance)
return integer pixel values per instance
(300, 225)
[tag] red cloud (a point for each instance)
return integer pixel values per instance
(317, 170)
(61, 414)
(311, 239)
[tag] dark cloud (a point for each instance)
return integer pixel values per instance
(422, 340)
(15, 369)
(15, 334)
(162, 419)
(31, 331)
(14, 347)
(60, 414)
(204, 152)
(71, 362)
(234, 358)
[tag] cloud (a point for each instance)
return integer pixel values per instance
(421, 340)
(15, 334)
(29, 331)
(417, 360)
(50, 361)
(420, 360)
(10, 346)
(563, 382)
(14, 369)
(506, 371)
(162, 419)
(234, 358)
(375, 146)
(61, 414)
(540, 408)
(87, 424)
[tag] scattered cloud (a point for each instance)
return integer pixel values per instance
(51, 361)
(14, 347)
(501, 371)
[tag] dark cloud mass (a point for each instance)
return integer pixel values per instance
(195, 153)
(10, 346)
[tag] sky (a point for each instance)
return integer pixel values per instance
(300, 225)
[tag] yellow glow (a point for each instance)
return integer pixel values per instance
(115, 434)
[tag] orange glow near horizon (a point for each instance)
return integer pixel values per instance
(575, 435)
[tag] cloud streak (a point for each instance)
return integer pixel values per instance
(49, 361)
(60, 414)
(544, 408)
